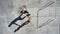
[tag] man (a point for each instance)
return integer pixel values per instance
(24, 13)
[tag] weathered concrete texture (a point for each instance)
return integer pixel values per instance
(9, 11)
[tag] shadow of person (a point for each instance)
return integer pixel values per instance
(15, 20)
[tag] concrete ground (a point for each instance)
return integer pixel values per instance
(48, 21)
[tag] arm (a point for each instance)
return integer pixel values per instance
(21, 13)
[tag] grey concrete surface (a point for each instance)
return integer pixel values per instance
(9, 11)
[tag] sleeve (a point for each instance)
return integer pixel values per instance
(28, 15)
(26, 11)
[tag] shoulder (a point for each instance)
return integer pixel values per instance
(26, 11)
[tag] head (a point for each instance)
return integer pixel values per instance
(24, 7)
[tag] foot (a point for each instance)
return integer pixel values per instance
(17, 29)
(9, 25)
